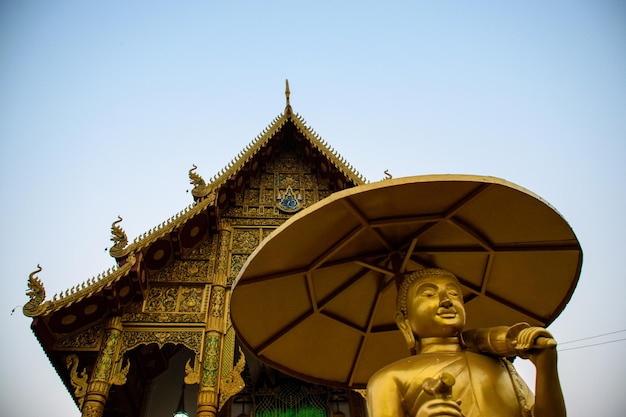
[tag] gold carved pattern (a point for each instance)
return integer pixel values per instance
(188, 338)
(79, 380)
(236, 262)
(88, 339)
(203, 251)
(120, 372)
(308, 181)
(239, 199)
(162, 299)
(228, 351)
(271, 222)
(268, 196)
(255, 182)
(163, 317)
(225, 242)
(286, 180)
(184, 271)
(170, 304)
(245, 240)
(267, 181)
(324, 193)
(105, 361)
(255, 211)
(180, 299)
(211, 360)
(253, 194)
(233, 383)
(266, 231)
(191, 299)
(93, 410)
(217, 301)
(311, 196)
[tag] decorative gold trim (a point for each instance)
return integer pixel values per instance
(119, 373)
(190, 338)
(200, 188)
(72, 295)
(79, 381)
(121, 246)
(173, 222)
(87, 340)
(361, 392)
(233, 383)
(288, 109)
(192, 374)
(37, 294)
(119, 239)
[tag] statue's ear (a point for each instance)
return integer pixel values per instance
(405, 328)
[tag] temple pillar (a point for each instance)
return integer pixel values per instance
(209, 378)
(101, 376)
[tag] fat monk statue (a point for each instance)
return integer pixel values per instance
(451, 373)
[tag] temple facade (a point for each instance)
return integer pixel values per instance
(154, 330)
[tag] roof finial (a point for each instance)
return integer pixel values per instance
(288, 109)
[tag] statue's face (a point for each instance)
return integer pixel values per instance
(435, 307)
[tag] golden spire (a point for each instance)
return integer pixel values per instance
(287, 92)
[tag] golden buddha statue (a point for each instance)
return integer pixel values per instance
(451, 373)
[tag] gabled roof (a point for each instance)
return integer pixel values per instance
(115, 287)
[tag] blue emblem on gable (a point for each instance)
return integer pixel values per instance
(289, 202)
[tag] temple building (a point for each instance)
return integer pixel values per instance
(152, 335)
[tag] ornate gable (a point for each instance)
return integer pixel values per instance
(172, 282)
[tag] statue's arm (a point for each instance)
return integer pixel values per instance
(539, 346)
(384, 398)
(549, 401)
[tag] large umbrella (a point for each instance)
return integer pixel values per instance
(317, 297)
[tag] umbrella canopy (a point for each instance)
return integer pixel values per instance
(317, 297)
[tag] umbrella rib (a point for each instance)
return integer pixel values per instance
(365, 222)
(284, 330)
(481, 240)
(408, 254)
(269, 277)
(375, 268)
(509, 248)
(382, 283)
(403, 220)
(334, 248)
(323, 303)
(466, 199)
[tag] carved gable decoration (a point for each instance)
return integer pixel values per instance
(172, 283)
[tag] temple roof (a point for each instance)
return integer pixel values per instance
(187, 227)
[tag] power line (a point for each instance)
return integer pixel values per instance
(592, 337)
(594, 344)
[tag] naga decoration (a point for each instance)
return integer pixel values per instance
(120, 373)
(200, 188)
(192, 374)
(233, 382)
(37, 294)
(119, 239)
(79, 381)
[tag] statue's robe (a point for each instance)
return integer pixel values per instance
(486, 386)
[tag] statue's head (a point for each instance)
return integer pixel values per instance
(430, 304)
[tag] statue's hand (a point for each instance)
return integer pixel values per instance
(535, 343)
(441, 408)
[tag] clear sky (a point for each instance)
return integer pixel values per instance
(105, 106)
